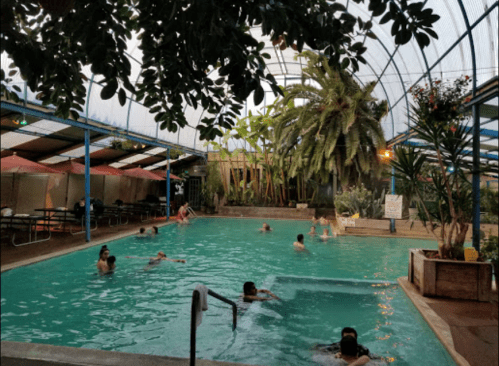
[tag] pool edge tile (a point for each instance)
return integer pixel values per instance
(437, 324)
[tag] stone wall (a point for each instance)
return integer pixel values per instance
(267, 212)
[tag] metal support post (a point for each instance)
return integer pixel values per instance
(87, 185)
(392, 221)
(475, 110)
(168, 185)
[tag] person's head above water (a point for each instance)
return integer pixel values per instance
(111, 260)
(161, 255)
(347, 331)
(155, 230)
(142, 230)
(348, 346)
(104, 252)
(300, 238)
(266, 226)
(249, 288)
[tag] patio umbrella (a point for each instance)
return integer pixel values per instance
(73, 167)
(142, 173)
(16, 164)
(162, 173)
(107, 170)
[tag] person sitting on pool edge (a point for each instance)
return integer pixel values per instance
(265, 227)
(299, 243)
(312, 231)
(102, 265)
(250, 293)
(336, 346)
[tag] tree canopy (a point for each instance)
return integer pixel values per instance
(181, 42)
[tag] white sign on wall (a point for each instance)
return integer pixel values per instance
(393, 206)
(347, 221)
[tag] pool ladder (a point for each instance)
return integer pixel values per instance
(195, 303)
(191, 211)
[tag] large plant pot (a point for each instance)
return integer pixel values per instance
(448, 278)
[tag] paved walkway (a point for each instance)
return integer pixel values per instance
(468, 329)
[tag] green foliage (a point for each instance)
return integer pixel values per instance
(362, 201)
(444, 197)
(489, 201)
(180, 48)
(489, 249)
(213, 183)
(337, 128)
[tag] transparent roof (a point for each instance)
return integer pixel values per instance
(395, 68)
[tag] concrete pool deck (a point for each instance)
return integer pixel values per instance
(467, 326)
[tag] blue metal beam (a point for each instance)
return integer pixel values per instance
(465, 152)
(87, 185)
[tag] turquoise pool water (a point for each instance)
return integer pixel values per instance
(63, 302)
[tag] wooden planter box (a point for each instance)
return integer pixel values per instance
(267, 212)
(448, 278)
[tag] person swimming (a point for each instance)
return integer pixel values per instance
(111, 263)
(160, 257)
(250, 293)
(298, 245)
(323, 221)
(325, 235)
(265, 227)
(102, 265)
(312, 231)
(142, 233)
(314, 220)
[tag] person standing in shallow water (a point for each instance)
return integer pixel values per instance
(102, 265)
(251, 293)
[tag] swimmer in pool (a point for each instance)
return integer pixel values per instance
(111, 262)
(250, 293)
(154, 231)
(323, 221)
(312, 231)
(314, 220)
(102, 265)
(335, 348)
(265, 227)
(160, 257)
(325, 235)
(142, 233)
(299, 243)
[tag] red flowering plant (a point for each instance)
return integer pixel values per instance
(439, 121)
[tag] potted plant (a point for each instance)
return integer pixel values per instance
(435, 175)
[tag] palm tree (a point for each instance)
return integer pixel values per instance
(336, 129)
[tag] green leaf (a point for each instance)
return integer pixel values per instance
(109, 90)
(345, 63)
(13, 72)
(122, 97)
(266, 55)
(16, 87)
(260, 47)
(259, 95)
(155, 109)
(74, 115)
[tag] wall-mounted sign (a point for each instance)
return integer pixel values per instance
(347, 221)
(393, 206)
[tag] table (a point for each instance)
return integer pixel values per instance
(63, 216)
(25, 221)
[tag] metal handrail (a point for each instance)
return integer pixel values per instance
(191, 211)
(195, 303)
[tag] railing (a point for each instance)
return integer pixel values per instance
(191, 211)
(195, 303)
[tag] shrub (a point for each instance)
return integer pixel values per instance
(362, 201)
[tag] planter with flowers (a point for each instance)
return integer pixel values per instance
(433, 170)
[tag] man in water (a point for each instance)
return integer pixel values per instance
(250, 293)
(157, 260)
(299, 243)
(142, 233)
(350, 353)
(265, 227)
(336, 347)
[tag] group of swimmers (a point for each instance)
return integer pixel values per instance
(106, 263)
(143, 233)
(347, 349)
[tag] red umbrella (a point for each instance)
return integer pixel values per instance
(162, 173)
(142, 173)
(16, 164)
(73, 167)
(107, 170)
